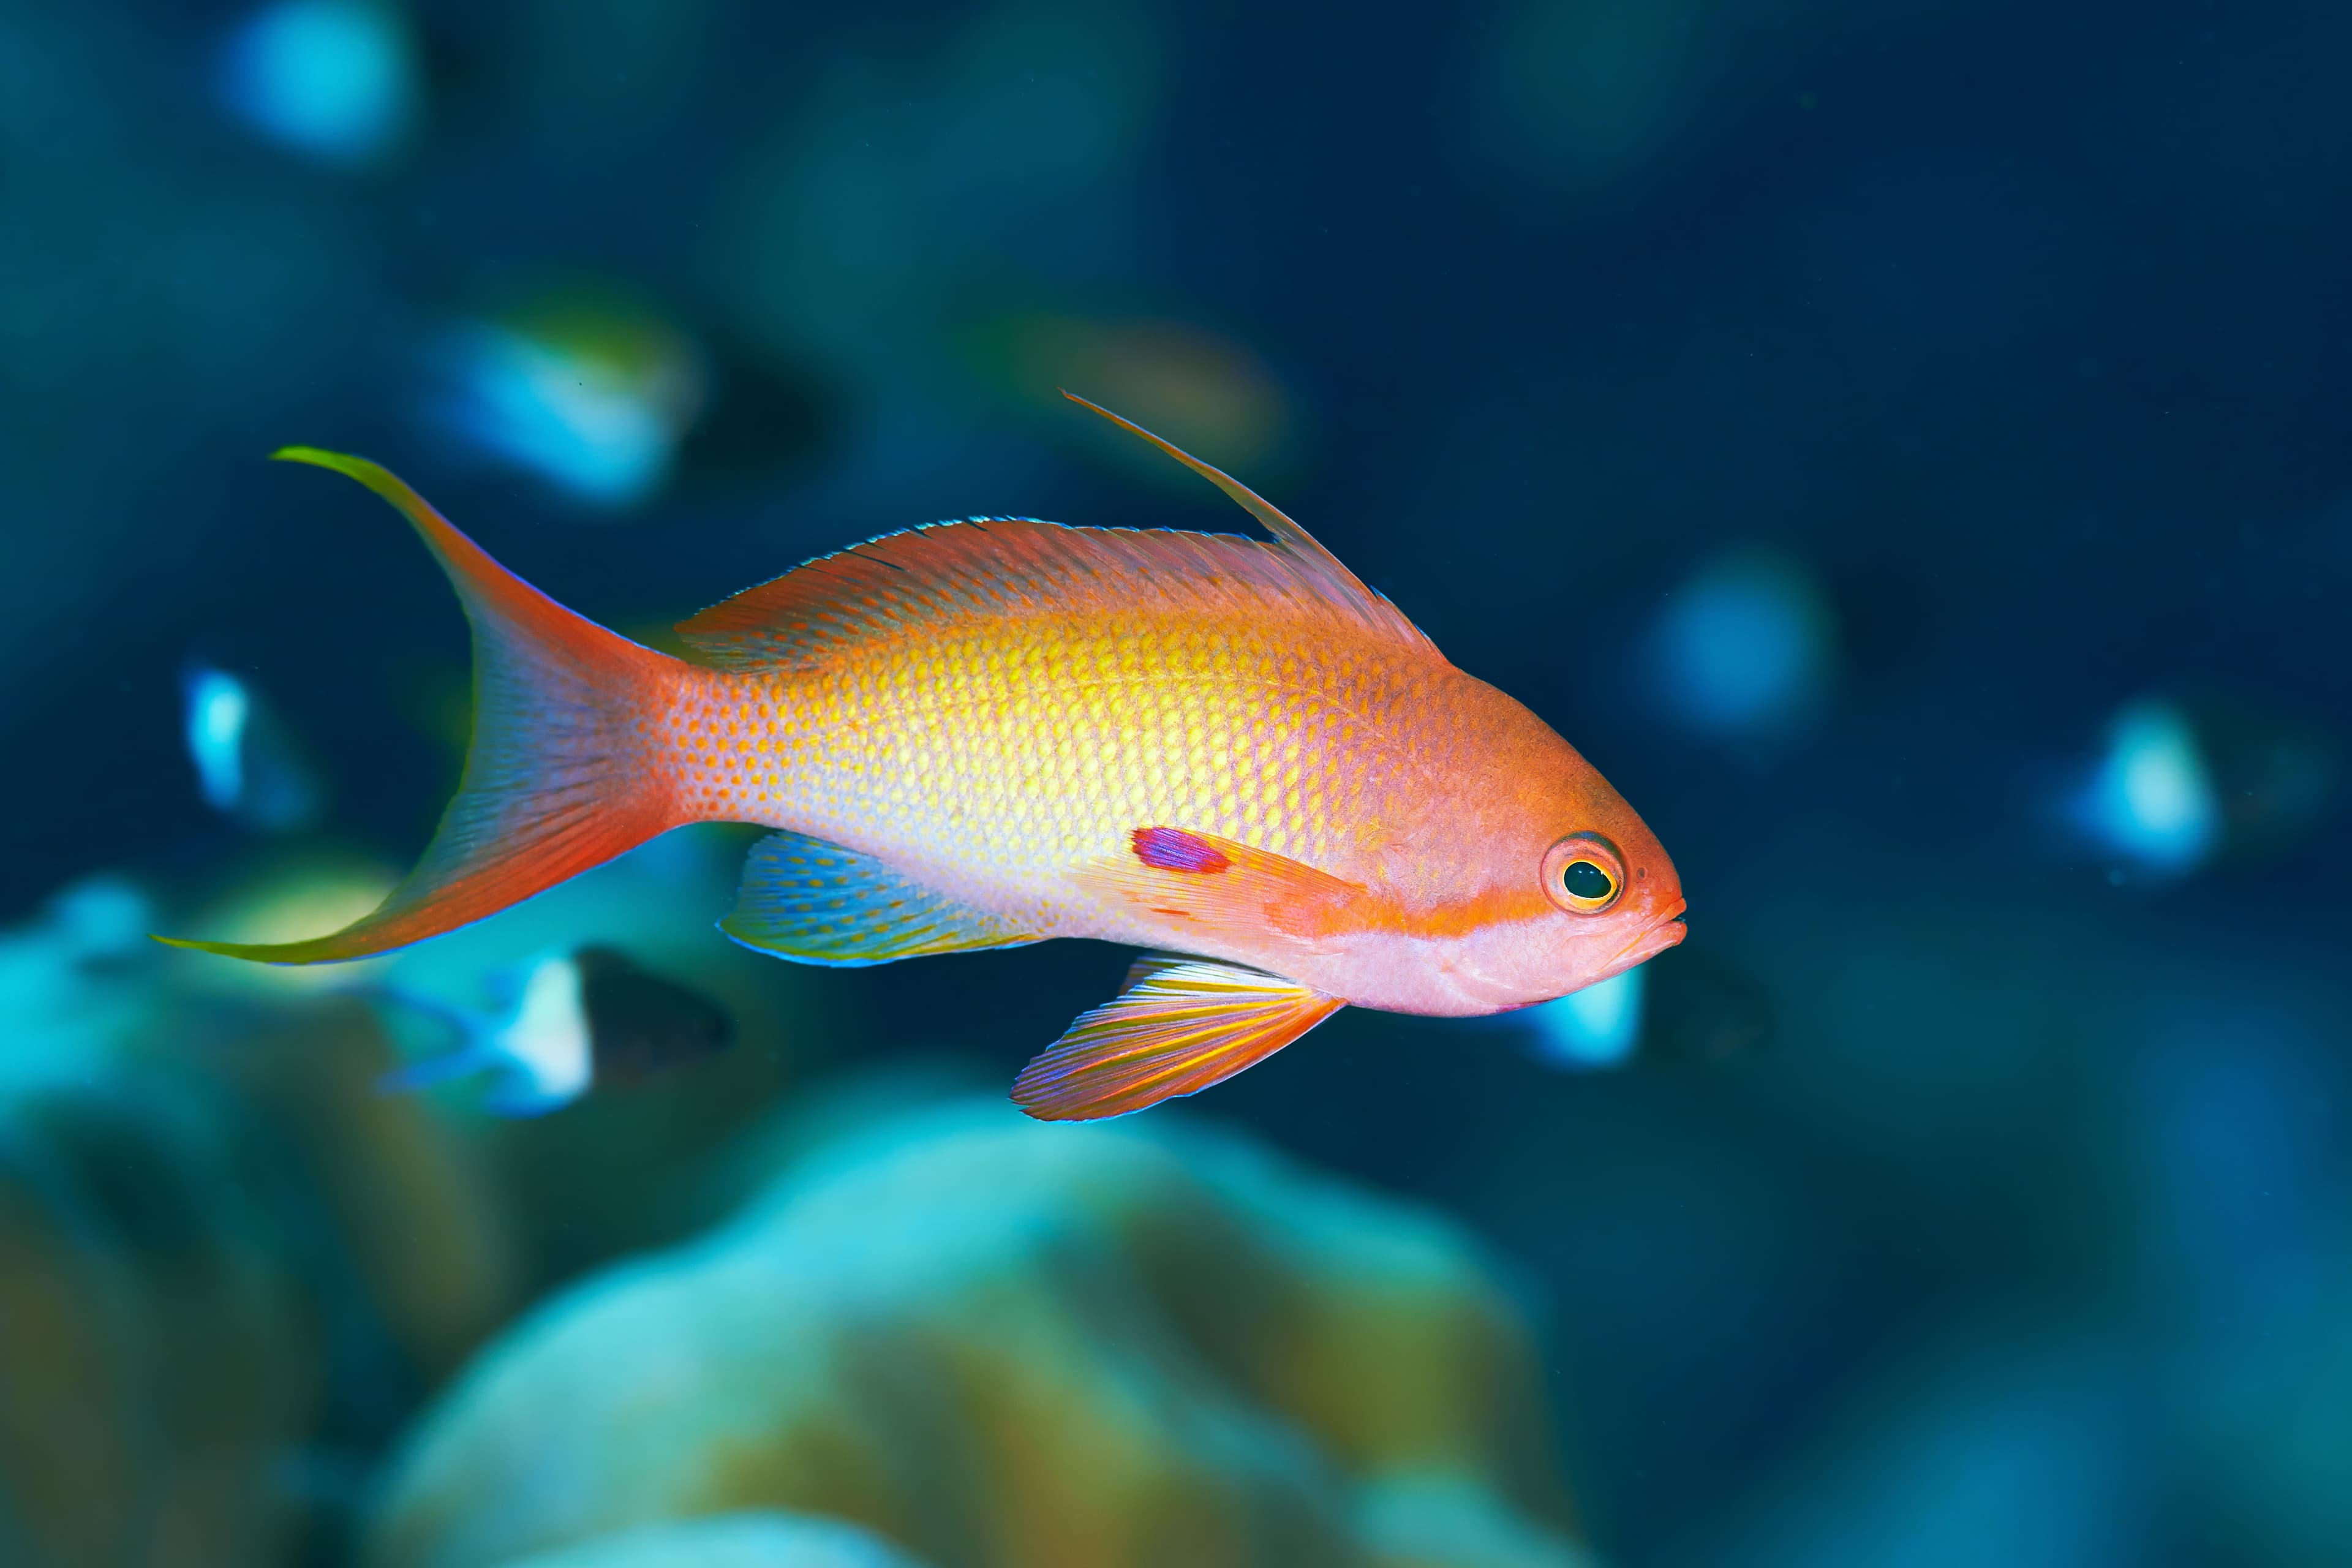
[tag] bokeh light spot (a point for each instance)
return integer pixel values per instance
(1595, 1027)
(2152, 797)
(1745, 647)
(334, 79)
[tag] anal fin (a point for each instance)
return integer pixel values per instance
(1181, 1024)
(815, 902)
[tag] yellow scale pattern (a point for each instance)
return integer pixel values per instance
(995, 759)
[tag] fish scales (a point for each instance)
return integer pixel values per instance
(1001, 758)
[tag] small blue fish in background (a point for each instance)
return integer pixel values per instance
(2179, 785)
(1688, 1004)
(248, 766)
(1596, 1027)
(2150, 801)
(590, 1018)
(590, 392)
(335, 81)
(1746, 649)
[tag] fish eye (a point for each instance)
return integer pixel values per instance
(1585, 880)
(1583, 873)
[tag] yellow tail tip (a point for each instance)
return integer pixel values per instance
(251, 952)
(227, 948)
(375, 476)
(319, 458)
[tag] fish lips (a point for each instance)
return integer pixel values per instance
(1668, 930)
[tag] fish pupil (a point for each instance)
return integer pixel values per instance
(1583, 880)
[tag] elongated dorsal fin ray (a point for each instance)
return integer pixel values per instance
(1276, 521)
(1179, 1024)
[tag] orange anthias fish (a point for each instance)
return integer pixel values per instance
(984, 733)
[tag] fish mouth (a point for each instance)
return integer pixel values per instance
(1665, 933)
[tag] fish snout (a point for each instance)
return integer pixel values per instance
(1662, 933)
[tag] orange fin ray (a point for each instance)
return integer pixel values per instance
(556, 778)
(991, 568)
(1229, 889)
(1294, 538)
(1181, 1024)
(817, 902)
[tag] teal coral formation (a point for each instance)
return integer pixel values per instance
(765, 1540)
(993, 1342)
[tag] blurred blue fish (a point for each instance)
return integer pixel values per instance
(576, 1021)
(248, 767)
(333, 79)
(2181, 784)
(1598, 1026)
(2151, 799)
(1746, 649)
(592, 394)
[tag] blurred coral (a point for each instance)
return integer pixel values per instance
(231, 1262)
(995, 1342)
(157, 1359)
(763, 1540)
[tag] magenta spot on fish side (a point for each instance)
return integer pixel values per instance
(1173, 849)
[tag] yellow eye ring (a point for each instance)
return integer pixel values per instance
(1583, 874)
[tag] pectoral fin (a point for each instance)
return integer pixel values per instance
(1229, 889)
(815, 902)
(1182, 1024)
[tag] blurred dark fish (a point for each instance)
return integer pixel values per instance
(587, 1019)
(1704, 1006)
(2274, 777)
(248, 767)
(641, 1027)
(1687, 1005)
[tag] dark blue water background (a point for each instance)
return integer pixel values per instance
(2022, 328)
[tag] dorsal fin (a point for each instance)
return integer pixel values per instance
(1291, 536)
(985, 568)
